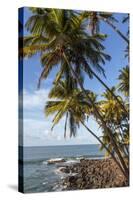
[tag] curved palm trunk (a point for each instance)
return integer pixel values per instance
(110, 135)
(101, 119)
(125, 146)
(65, 125)
(115, 29)
(105, 147)
(97, 77)
(124, 150)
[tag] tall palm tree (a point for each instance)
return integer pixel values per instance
(61, 39)
(76, 43)
(123, 85)
(115, 118)
(72, 104)
(101, 118)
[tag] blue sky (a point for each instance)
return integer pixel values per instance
(37, 128)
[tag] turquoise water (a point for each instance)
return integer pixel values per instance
(41, 177)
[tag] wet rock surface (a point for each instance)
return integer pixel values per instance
(54, 161)
(91, 174)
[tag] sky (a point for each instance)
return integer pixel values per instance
(36, 127)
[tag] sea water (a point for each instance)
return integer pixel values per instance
(41, 177)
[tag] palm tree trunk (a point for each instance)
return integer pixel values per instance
(125, 145)
(65, 125)
(100, 117)
(125, 152)
(105, 147)
(115, 29)
(110, 135)
(118, 142)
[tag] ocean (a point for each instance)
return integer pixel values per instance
(41, 177)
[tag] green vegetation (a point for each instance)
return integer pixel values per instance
(61, 38)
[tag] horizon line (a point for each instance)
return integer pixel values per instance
(57, 145)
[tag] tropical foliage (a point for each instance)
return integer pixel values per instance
(124, 81)
(62, 39)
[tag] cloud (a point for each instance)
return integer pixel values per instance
(35, 100)
(37, 128)
(40, 131)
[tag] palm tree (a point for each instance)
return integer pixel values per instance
(115, 119)
(111, 108)
(96, 17)
(52, 43)
(61, 39)
(66, 101)
(72, 104)
(101, 118)
(123, 85)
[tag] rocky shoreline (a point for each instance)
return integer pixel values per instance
(91, 174)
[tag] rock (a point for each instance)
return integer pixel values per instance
(94, 174)
(65, 170)
(79, 181)
(56, 160)
(71, 179)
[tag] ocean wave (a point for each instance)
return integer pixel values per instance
(71, 161)
(56, 160)
(60, 159)
(44, 183)
(44, 162)
(59, 171)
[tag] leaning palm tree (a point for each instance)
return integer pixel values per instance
(60, 38)
(124, 81)
(106, 128)
(72, 104)
(116, 120)
(51, 36)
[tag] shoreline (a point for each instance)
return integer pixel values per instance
(92, 174)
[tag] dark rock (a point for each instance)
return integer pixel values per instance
(65, 170)
(71, 179)
(94, 174)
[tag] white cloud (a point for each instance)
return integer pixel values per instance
(40, 131)
(37, 128)
(36, 99)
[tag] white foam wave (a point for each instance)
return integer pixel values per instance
(72, 161)
(44, 162)
(55, 160)
(44, 183)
